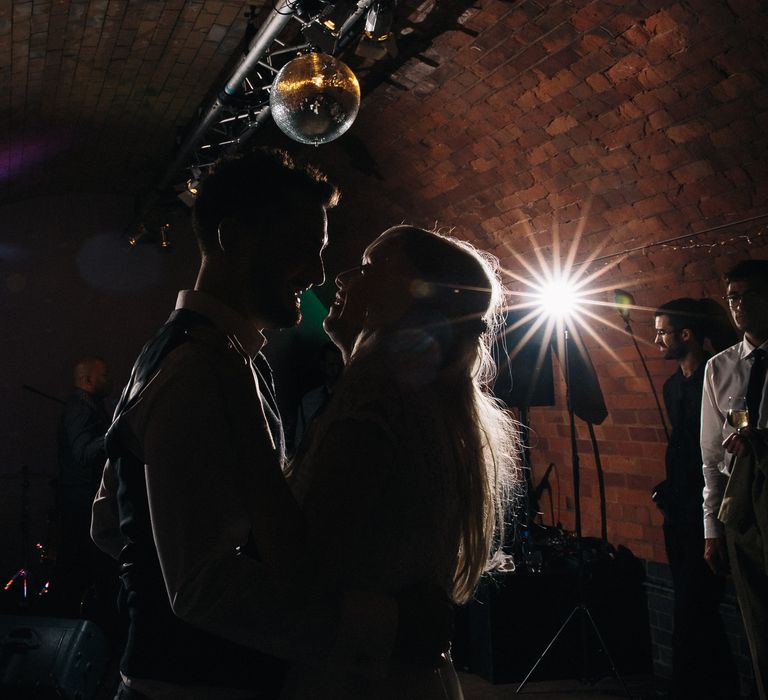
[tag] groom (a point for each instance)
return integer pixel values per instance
(193, 501)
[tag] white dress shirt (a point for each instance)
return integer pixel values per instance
(726, 375)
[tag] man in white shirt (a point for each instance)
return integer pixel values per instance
(734, 375)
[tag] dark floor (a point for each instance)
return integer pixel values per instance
(476, 688)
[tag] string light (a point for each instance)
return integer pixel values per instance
(675, 244)
(750, 238)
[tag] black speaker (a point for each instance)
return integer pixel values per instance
(523, 355)
(514, 616)
(588, 400)
(45, 657)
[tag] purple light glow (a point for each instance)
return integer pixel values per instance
(25, 152)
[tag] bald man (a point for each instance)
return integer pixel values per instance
(84, 422)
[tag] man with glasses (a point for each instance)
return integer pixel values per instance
(734, 462)
(702, 664)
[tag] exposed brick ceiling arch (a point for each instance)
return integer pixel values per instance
(496, 117)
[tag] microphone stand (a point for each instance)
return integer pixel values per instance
(623, 301)
(628, 328)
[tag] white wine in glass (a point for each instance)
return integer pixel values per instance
(738, 414)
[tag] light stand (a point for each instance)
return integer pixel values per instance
(581, 606)
(24, 578)
(623, 301)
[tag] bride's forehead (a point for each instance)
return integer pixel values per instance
(381, 248)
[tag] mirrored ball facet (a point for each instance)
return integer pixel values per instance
(315, 98)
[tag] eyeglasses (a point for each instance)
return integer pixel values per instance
(665, 332)
(734, 300)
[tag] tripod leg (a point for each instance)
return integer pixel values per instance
(607, 653)
(544, 653)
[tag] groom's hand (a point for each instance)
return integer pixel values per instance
(425, 625)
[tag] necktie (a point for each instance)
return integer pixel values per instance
(755, 386)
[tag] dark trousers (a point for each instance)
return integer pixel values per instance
(745, 555)
(702, 663)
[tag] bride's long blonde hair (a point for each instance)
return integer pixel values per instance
(458, 302)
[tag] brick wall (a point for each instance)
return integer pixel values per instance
(627, 123)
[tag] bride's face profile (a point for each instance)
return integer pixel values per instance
(386, 276)
(346, 316)
(374, 294)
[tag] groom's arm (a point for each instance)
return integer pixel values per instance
(206, 492)
(105, 519)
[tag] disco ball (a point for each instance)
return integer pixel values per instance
(314, 98)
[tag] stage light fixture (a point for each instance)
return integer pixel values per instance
(558, 298)
(379, 20)
(145, 236)
(141, 236)
(193, 184)
(325, 32)
(165, 241)
(377, 39)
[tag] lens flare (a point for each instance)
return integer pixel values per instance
(553, 292)
(558, 299)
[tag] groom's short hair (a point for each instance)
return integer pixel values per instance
(256, 186)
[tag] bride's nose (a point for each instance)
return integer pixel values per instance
(343, 277)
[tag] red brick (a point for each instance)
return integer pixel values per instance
(663, 46)
(591, 15)
(652, 145)
(624, 136)
(735, 86)
(682, 133)
(561, 125)
(636, 36)
(671, 159)
(651, 206)
(627, 67)
(660, 23)
(693, 172)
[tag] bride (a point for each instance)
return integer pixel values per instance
(405, 476)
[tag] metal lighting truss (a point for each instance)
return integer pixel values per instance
(243, 105)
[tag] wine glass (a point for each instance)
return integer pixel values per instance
(738, 414)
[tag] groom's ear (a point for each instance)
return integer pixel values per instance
(227, 235)
(236, 237)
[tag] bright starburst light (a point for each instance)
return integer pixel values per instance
(557, 293)
(558, 298)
